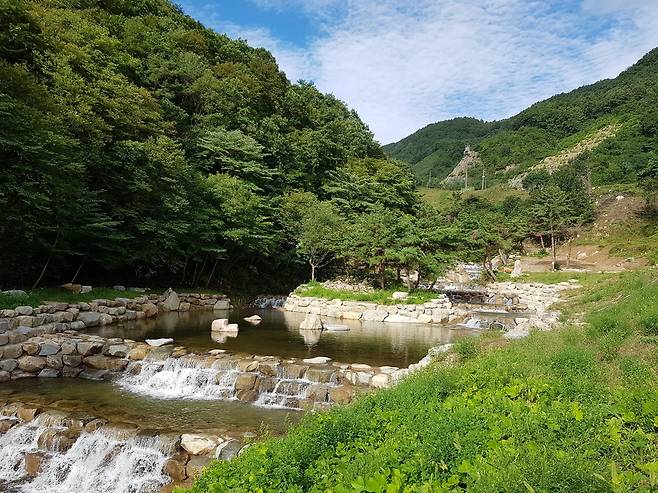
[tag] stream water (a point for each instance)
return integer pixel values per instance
(174, 396)
(278, 334)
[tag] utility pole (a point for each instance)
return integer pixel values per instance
(483, 179)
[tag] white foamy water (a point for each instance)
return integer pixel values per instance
(180, 378)
(98, 462)
(286, 394)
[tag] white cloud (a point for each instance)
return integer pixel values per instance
(403, 65)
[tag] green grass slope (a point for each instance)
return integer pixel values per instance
(511, 146)
(571, 410)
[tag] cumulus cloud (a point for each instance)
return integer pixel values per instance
(403, 65)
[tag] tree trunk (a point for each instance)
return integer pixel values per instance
(75, 276)
(553, 249)
(312, 270)
(541, 239)
(50, 255)
(569, 253)
(212, 272)
(382, 273)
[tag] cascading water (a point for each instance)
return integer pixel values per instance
(194, 379)
(286, 394)
(99, 462)
(181, 378)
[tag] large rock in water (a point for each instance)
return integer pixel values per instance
(159, 342)
(222, 325)
(311, 322)
(198, 444)
(171, 302)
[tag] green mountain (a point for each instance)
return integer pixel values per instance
(624, 110)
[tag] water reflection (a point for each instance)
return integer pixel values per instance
(278, 334)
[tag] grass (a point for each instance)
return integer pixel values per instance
(443, 199)
(571, 410)
(379, 296)
(41, 295)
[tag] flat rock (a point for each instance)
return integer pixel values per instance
(159, 342)
(318, 360)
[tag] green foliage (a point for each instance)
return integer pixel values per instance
(41, 295)
(541, 414)
(466, 348)
(137, 143)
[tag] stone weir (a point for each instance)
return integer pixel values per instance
(46, 450)
(23, 322)
(266, 381)
(174, 372)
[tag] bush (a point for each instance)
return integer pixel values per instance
(467, 347)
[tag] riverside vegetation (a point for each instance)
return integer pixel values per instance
(569, 410)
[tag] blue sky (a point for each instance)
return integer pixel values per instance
(403, 64)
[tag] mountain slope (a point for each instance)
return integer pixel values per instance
(509, 147)
(439, 146)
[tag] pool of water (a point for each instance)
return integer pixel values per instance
(109, 401)
(278, 334)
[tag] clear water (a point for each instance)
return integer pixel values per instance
(109, 401)
(279, 335)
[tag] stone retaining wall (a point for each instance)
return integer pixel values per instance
(68, 354)
(535, 297)
(23, 322)
(435, 311)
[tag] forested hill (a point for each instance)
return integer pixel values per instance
(135, 142)
(511, 146)
(439, 146)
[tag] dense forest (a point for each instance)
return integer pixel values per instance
(510, 146)
(138, 145)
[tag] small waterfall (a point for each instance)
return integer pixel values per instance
(99, 462)
(286, 394)
(190, 378)
(181, 378)
(18, 441)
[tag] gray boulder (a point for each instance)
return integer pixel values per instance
(90, 319)
(48, 349)
(15, 292)
(222, 305)
(228, 449)
(171, 302)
